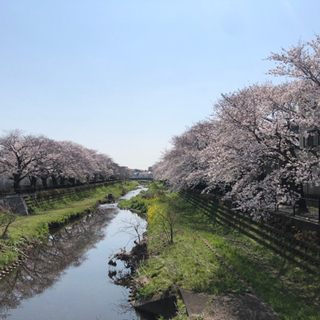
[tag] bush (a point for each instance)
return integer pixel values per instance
(309, 236)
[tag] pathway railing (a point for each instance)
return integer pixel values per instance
(26, 190)
(310, 210)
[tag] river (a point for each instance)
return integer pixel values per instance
(68, 276)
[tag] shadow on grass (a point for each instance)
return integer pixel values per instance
(292, 292)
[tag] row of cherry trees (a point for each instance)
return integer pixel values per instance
(252, 149)
(40, 159)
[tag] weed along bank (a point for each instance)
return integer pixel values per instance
(204, 260)
(63, 272)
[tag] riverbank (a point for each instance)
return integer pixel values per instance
(187, 264)
(28, 231)
(68, 277)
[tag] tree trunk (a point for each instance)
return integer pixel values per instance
(16, 182)
(10, 218)
(302, 204)
(44, 182)
(4, 233)
(33, 182)
(54, 180)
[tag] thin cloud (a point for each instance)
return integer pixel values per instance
(289, 8)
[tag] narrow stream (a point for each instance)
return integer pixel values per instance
(68, 277)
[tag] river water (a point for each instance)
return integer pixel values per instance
(68, 276)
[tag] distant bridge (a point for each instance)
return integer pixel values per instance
(141, 178)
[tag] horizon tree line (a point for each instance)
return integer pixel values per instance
(38, 159)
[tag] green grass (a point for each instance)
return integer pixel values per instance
(140, 202)
(291, 291)
(45, 200)
(33, 228)
(186, 264)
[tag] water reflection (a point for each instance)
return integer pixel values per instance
(49, 261)
(47, 264)
(73, 264)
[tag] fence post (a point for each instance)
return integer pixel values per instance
(319, 208)
(294, 209)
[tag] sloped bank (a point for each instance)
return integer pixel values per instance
(186, 264)
(46, 200)
(160, 304)
(29, 231)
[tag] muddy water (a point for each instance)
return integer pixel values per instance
(68, 277)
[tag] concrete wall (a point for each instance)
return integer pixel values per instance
(16, 203)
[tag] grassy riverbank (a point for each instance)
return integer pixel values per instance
(29, 230)
(291, 291)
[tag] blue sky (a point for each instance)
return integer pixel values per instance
(123, 77)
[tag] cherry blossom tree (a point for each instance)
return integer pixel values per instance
(18, 154)
(104, 164)
(75, 163)
(257, 153)
(260, 147)
(47, 158)
(182, 166)
(39, 158)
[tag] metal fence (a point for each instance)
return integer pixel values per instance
(308, 209)
(25, 190)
